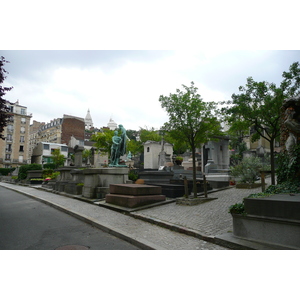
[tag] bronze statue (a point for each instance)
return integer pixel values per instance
(118, 147)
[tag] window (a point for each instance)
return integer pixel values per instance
(64, 149)
(9, 138)
(11, 108)
(22, 139)
(22, 129)
(148, 149)
(23, 111)
(8, 148)
(21, 149)
(21, 158)
(23, 121)
(7, 156)
(10, 128)
(46, 146)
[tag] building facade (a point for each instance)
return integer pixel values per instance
(42, 152)
(57, 131)
(14, 150)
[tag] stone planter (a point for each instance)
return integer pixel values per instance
(275, 231)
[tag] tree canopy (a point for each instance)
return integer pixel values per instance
(191, 120)
(258, 106)
(58, 158)
(103, 140)
(4, 109)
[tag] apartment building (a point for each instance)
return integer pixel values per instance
(14, 150)
(42, 152)
(57, 131)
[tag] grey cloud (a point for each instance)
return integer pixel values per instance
(29, 63)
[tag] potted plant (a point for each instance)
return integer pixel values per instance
(178, 160)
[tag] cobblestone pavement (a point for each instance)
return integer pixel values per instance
(210, 218)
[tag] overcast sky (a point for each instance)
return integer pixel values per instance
(126, 85)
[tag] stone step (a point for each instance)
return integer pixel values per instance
(134, 189)
(133, 201)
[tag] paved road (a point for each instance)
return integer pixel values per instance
(26, 223)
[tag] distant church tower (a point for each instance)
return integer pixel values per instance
(88, 121)
(112, 125)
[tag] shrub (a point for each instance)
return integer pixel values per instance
(247, 170)
(49, 166)
(6, 171)
(132, 175)
(238, 208)
(23, 170)
(54, 175)
(47, 173)
(282, 188)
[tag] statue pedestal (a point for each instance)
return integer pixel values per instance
(103, 177)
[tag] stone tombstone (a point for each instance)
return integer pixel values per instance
(78, 156)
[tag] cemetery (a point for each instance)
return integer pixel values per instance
(268, 218)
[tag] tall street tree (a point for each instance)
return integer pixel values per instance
(258, 106)
(4, 109)
(190, 120)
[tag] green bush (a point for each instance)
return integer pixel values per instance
(24, 169)
(238, 208)
(282, 188)
(247, 170)
(47, 173)
(49, 166)
(132, 175)
(6, 171)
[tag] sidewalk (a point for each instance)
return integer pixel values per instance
(192, 227)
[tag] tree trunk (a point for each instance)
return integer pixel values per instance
(194, 171)
(272, 162)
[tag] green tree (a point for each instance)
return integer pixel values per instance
(149, 135)
(144, 134)
(103, 140)
(258, 106)
(135, 147)
(291, 82)
(58, 158)
(190, 120)
(4, 109)
(86, 154)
